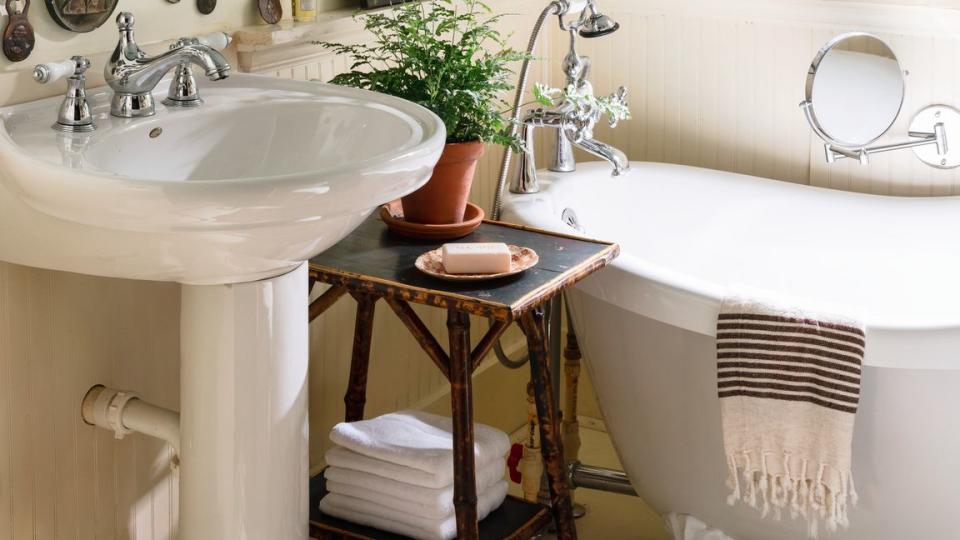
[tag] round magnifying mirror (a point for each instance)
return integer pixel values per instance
(855, 90)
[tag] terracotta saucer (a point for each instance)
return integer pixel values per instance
(392, 215)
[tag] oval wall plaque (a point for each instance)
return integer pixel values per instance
(81, 15)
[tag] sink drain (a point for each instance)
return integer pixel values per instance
(156, 132)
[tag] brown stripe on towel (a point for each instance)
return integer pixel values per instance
(801, 388)
(796, 320)
(724, 375)
(787, 338)
(789, 358)
(784, 397)
(780, 347)
(795, 368)
(798, 329)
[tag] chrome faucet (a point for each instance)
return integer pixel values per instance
(573, 124)
(133, 75)
(575, 128)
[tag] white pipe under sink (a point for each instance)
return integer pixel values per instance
(242, 435)
(125, 412)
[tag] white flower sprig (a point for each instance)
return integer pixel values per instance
(584, 101)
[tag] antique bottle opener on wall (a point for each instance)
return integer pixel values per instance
(18, 38)
(270, 10)
(206, 6)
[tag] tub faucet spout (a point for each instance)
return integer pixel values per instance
(616, 158)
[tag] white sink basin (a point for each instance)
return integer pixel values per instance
(266, 174)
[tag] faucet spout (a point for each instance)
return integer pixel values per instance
(618, 159)
(133, 75)
(142, 74)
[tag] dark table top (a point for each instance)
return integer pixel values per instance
(373, 259)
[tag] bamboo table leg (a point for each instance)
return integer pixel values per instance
(532, 324)
(356, 397)
(570, 423)
(461, 390)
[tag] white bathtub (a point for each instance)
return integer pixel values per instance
(691, 236)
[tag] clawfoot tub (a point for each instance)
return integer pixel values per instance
(691, 236)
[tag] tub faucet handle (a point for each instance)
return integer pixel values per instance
(618, 100)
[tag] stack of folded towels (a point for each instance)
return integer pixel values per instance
(395, 473)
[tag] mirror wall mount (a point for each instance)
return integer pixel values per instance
(928, 129)
(945, 122)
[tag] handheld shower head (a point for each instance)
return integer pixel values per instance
(596, 24)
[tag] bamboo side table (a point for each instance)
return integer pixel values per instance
(373, 264)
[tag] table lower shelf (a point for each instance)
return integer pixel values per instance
(516, 519)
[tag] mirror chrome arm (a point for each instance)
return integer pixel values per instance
(836, 151)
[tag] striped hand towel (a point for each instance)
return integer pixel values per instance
(789, 386)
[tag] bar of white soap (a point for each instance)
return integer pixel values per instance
(476, 258)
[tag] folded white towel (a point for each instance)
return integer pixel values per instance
(417, 440)
(417, 500)
(348, 459)
(386, 519)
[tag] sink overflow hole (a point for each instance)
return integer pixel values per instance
(156, 132)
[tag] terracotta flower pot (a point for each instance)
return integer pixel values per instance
(443, 199)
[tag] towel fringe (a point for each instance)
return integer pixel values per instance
(804, 495)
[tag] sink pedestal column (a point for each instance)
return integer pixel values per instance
(243, 416)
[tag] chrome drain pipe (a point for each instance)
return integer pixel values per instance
(600, 479)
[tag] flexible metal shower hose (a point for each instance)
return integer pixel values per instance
(555, 8)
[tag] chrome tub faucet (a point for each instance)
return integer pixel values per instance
(133, 75)
(573, 122)
(574, 126)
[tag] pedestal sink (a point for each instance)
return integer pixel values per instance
(229, 199)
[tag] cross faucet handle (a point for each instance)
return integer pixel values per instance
(618, 100)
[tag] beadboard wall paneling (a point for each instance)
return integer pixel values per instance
(717, 84)
(59, 335)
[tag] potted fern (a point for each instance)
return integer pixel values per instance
(447, 56)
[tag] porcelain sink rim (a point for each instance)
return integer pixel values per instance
(237, 226)
(409, 110)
